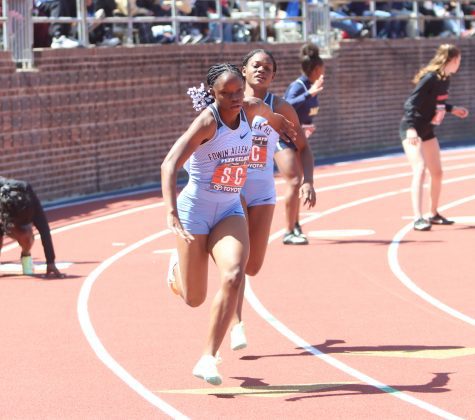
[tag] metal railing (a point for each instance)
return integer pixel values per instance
(16, 9)
(314, 23)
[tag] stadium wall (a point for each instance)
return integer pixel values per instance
(87, 121)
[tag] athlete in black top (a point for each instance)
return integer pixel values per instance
(20, 209)
(424, 109)
(426, 106)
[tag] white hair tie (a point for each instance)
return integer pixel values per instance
(200, 96)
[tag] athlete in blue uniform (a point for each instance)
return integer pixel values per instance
(208, 218)
(259, 69)
(303, 92)
(424, 109)
(302, 95)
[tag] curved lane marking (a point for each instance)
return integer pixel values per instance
(124, 375)
(286, 332)
(406, 280)
(300, 342)
(98, 219)
(404, 164)
(96, 344)
(82, 306)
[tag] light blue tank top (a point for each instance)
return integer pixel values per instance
(264, 141)
(218, 168)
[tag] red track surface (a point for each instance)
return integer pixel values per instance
(343, 336)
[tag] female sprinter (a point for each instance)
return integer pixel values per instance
(259, 68)
(207, 217)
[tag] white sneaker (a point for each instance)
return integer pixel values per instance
(171, 275)
(206, 369)
(238, 337)
(64, 42)
(27, 265)
(109, 42)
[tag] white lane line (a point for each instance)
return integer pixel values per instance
(286, 332)
(161, 204)
(376, 168)
(107, 359)
(99, 219)
(406, 280)
(105, 197)
(389, 166)
(386, 178)
(379, 178)
(340, 233)
(96, 344)
(40, 267)
(301, 343)
(163, 251)
(464, 220)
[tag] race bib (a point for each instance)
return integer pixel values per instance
(313, 111)
(439, 115)
(258, 156)
(230, 174)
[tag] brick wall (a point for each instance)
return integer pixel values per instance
(95, 120)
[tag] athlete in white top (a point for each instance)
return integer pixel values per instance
(259, 69)
(208, 218)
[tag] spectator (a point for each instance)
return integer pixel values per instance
(468, 9)
(360, 8)
(61, 32)
(102, 34)
(350, 27)
(20, 209)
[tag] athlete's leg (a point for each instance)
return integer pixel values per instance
(229, 245)
(191, 272)
(24, 236)
(289, 166)
(416, 160)
(259, 220)
(431, 151)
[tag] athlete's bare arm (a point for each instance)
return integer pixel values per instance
(307, 190)
(201, 130)
(255, 106)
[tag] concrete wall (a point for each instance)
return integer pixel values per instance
(95, 120)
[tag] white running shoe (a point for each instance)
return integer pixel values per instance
(27, 265)
(206, 369)
(109, 42)
(64, 42)
(171, 275)
(238, 337)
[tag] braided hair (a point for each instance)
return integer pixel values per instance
(15, 204)
(201, 96)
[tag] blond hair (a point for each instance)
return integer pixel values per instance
(444, 54)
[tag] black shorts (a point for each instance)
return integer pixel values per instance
(425, 132)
